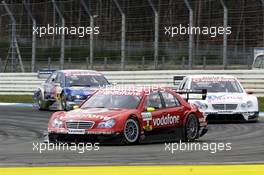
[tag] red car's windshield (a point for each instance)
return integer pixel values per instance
(112, 101)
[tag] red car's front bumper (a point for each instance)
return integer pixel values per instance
(91, 135)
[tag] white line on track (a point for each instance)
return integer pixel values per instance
(128, 164)
(17, 104)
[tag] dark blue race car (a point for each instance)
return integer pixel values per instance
(65, 89)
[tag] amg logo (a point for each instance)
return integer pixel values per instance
(166, 120)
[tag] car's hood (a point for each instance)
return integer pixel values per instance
(225, 98)
(94, 114)
(78, 90)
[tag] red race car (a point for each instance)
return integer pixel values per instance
(129, 116)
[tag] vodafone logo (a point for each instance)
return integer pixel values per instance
(166, 120)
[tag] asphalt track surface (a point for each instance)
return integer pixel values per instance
(21, 126)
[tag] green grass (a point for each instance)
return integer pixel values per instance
(16, 98)
(28, 99)
(261, 103)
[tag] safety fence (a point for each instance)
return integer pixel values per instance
(124, 33)
(27, 83)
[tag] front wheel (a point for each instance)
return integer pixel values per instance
(64, 102)
(39, 101)
(191, 128)
(52, 138)
(131, 131)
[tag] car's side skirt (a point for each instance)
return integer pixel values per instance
(161, 135)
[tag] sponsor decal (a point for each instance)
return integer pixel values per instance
(93, 116)
(166, 120)
(89, 113)
(213, 79)
(214, 98)
(224, 112)
(58, 90)
(147, 117)
(80, 73)
(76, 131)
(100, 132)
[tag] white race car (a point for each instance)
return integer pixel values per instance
(226, 98)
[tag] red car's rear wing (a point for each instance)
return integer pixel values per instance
(177, 79)
(192, 94)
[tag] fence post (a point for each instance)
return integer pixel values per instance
(69, 62)
(105, 63)
(62, 34)
(156, 40)
(190, 62)
(262, 1)
(143, 62)
(183, 62)
(163, 61)
(14, 45)
(91, 35)
(1, 64)
(87, 62)
(34, 25)
(49, 62)
(225, 35)
(249, 62)
(123, 35)
(204, 62)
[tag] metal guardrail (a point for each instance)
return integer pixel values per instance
(26, 83)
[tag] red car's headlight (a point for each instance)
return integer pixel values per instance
(56, 123)
(107, 124)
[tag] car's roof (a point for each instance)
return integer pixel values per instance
(79, 71)
(210, 76)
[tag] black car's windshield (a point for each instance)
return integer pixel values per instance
(86, 80)
(214, 85)
(99, 100)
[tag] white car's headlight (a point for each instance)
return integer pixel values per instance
(243, 105)
(56, 123)
(249, 104)
(107, 124)
(200, 105)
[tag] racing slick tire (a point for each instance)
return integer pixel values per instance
(131, 133)
(191, 128)
(64, 102)
(39, 102)
(51, 138)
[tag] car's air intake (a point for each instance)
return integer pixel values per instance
(79, 125)
(224, 106)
